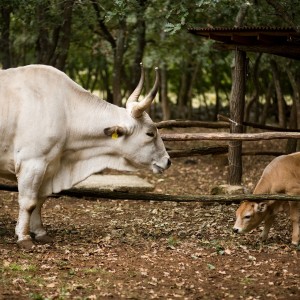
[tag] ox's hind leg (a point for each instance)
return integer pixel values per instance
(36, 224)
(30, 177)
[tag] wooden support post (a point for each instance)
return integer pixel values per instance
(237, 115)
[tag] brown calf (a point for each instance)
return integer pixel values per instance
(282, 175)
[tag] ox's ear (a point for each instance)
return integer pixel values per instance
(261, 207)
(115, 131)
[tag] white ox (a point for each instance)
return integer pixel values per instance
(54, 134)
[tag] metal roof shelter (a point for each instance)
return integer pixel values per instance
(281, 41)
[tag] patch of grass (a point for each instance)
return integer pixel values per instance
(26, 272)
(96, 271)
(172, 242)
(21, 268)
(211, 267)
(247, 281)
(37, 296)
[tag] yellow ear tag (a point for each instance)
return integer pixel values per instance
(115, 135)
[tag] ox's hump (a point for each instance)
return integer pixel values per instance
(43, 74)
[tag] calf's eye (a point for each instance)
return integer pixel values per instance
(247, 217)
(151, 134)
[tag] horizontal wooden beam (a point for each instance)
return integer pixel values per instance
(230, 136)
(256, 125)
(198, 151)
(90, 195)
(224, 122)
(216, 150)
(186, 124)
(286, 50)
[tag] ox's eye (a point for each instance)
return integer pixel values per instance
(247, 217)
(151, 134)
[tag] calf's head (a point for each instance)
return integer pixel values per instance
(137, 139)
(249, 215)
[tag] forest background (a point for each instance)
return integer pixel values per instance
(100, 45)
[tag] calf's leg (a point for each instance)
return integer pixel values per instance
(295, 214)
(267, 226)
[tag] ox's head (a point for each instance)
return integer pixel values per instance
(249, 215)
(137, 137)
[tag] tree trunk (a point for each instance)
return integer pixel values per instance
(63, 43)
(182, 94)
(295, 113)
(237, 102)
(291, 145)
(118, 62)
(264, 114)
(44, 50)
(140, 44)
(296, 95)
(53, 43)
(5, 37)
(237, 115)
(190, 89)
(106, 82)
(217, 105)
(118, 47)
(164, 93)
(255, 94)
(279, 94)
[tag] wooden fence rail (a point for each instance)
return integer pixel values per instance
(189, 124)
(93, 195)
(230, 136)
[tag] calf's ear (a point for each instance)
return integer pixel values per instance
(261, 207)
(115, 131)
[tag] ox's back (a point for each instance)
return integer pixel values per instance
(41, 112)
(32, 104)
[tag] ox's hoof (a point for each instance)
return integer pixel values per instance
(26, 244)
(44, 239)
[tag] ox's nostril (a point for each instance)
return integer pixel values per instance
(235, 230)
(169, 162)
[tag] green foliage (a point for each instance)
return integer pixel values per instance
(91, 56)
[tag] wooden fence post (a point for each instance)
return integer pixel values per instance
(237, 116)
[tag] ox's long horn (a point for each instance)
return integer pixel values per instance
(136, 93)
(138, 110)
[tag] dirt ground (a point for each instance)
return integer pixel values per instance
(113, 249)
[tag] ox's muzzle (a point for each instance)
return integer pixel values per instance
(161, 167)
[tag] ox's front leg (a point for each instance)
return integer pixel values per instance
(36, 224)
(30, 176)
(26, 207)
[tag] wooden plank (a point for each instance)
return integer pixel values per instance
(230, 136)
(292, 51)
(186, 124)
(90, 195)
